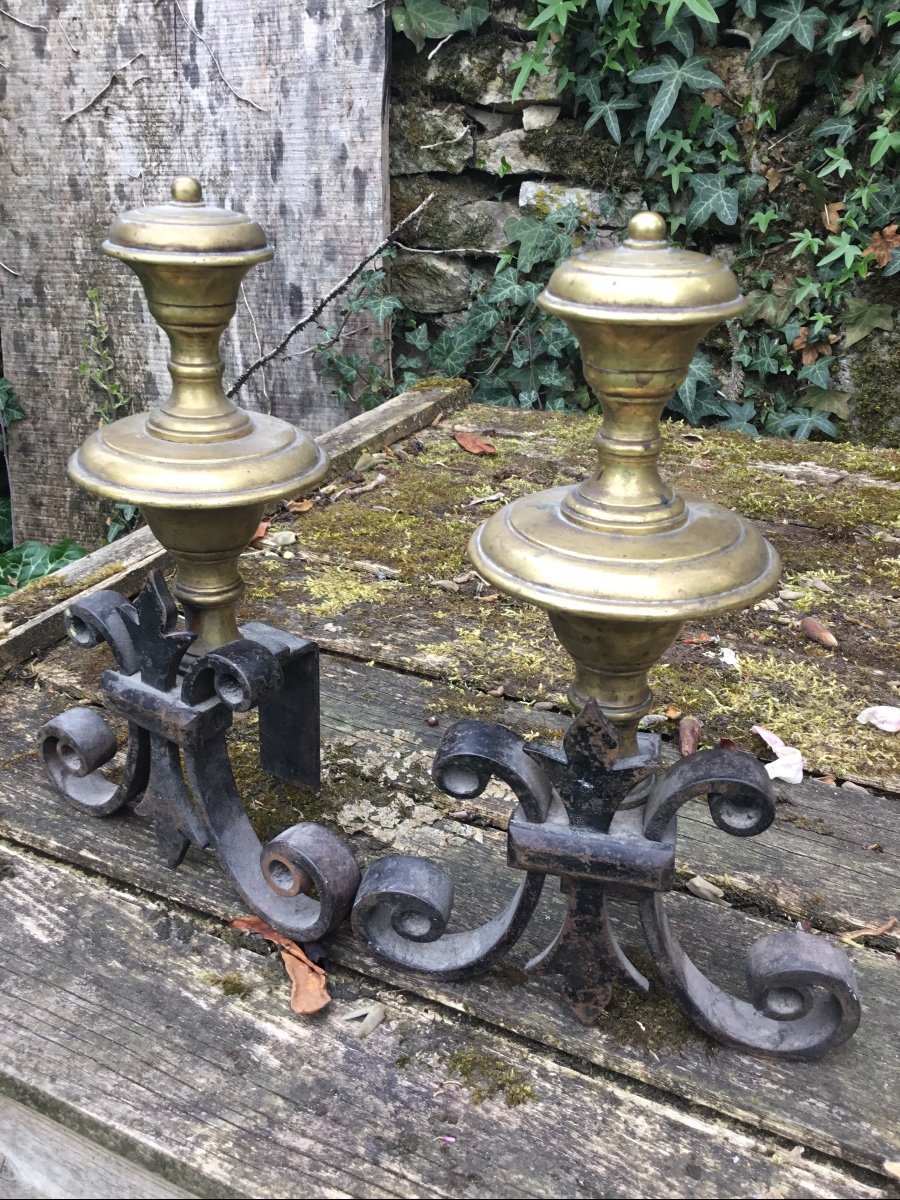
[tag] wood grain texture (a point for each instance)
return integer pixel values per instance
(306, 159)
(842, 1106)
(40, 1159)
(121, 1002)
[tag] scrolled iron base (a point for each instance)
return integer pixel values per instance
(177, 755)
(605, 826)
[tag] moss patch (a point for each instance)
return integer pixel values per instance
(806, 703)
(35, 597)
(486, 1076)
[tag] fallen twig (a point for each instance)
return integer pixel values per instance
(363, 487)
(197, 34)
(320, 306)
(870, 931)
(112, 79)
(24, 24)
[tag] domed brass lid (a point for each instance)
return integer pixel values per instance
(641, 280)
(185, 229)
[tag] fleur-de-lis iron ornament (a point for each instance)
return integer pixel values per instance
(619, 562)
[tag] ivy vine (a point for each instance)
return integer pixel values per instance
(810, 212)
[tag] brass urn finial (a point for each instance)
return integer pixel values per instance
(201, 469)
(620, 561)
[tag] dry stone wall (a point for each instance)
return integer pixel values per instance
(454, 132)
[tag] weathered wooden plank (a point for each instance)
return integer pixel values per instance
(124, 1006)
(842, 1106)
(41, 1158)
(277, 108)
(36, 614)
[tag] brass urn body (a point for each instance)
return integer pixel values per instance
(201, 469)
(620, 562)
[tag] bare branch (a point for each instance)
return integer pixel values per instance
(24, 24)
(320, 306)
(448, 142)
(442, 42)
(197, 34)
(112, 79)
(448, 250)
(10, 270)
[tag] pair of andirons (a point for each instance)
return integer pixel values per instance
(618, 561)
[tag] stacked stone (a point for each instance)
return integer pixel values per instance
(455, 132)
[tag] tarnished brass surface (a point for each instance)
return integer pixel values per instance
(201, 469)
(620, 561)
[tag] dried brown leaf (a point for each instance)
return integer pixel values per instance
(774, 178)
(817, 632)
(883, 243)
(261, 530)
(309, 983)
(309, 991)
(301, 505)
(831, 216)
(689, 730)
(474, 444)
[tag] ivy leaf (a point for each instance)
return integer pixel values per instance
(430, 18)
(764, 360)
(603, 7)
(538, 240)
(748, 187)
(840, 128)
(506, 288)
(382, 307)
(740, 417)
(817, 373)
(34, 560)
(790, 18)
(419, 337)
(893, 265)
(748, 8)
(474, 15)
(862, 318)
(10, 408)
(826, 401)
(711, 198)
(680, 35)
(671, 77)
(698, 395)
(550, 375)
(802, 422)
